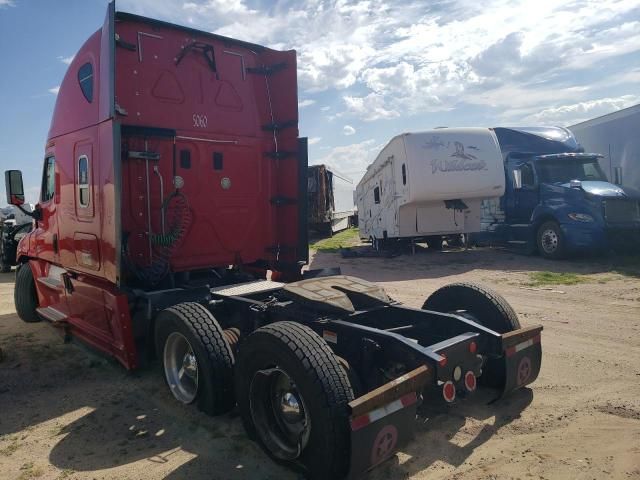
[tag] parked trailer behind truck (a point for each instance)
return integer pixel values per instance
(617, 136)
(327, 210)
(173, 182)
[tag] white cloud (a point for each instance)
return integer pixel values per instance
(578, 112)
(325, 108)
(314, 140)
(369, 108)
(305, 103)
(351, 160)
(65, 60)
(55, 90)
(388, 58)
(348, 130)
(7, 3)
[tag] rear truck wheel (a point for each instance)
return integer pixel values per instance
(550, 240)
(4, 267)
(293, 397)
(196, 358)
(25, 296)
(520, 363)
(434, 242)
(483, 305)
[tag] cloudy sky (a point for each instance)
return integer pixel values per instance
(367, 70)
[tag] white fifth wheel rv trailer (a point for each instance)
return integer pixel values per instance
(429, 185)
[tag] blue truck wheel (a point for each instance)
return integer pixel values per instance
(550, 240)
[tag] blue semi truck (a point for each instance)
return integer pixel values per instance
(558, 200)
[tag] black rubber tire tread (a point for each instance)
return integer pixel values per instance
(488, 307)
(25, 296)
(560, 252)
(323, 383)
(4, 267)
(216, 395)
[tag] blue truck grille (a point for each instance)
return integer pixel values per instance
(621, 211)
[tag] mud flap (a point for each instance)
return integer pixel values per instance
(522, 358)
(382, 421)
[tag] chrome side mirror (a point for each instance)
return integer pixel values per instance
(517, 179)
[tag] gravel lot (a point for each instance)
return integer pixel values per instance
(67, 413)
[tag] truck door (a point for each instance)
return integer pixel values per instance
(47, 242)
(524, 200)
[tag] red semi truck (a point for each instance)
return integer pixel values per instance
(172, 225)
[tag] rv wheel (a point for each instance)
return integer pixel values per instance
(196, 358)
(292, 395)
(25, 296)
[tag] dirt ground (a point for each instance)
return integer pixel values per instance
(67, 413)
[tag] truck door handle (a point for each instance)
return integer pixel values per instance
(55, 243)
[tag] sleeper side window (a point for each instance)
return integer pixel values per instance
(376, 195)
(83, 181)
(85, 79)
(48, 179)
(527, 175)
(404, 174)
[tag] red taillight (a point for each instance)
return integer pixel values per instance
(449, 391)
(443, 361)
(470, 381)
(473, 347)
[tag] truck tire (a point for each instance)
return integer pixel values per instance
(25, 296)
(292, 395)
(4, 267)
(196, 359)
(550, 240)
(483, 305)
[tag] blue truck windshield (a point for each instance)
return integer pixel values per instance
(563, 170)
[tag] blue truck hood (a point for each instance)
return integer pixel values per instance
(606, 189)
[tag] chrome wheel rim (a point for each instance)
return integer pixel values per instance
(549, 240)
(279, 413)
(181, 368)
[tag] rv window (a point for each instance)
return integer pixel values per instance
(85, 78)
(83, 181)
(404, 174)
(48, 179)
(376, 195)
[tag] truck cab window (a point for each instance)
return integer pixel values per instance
(527, 175)
(48, 179)
(83, 181)
(85, 79)
(376, 195)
